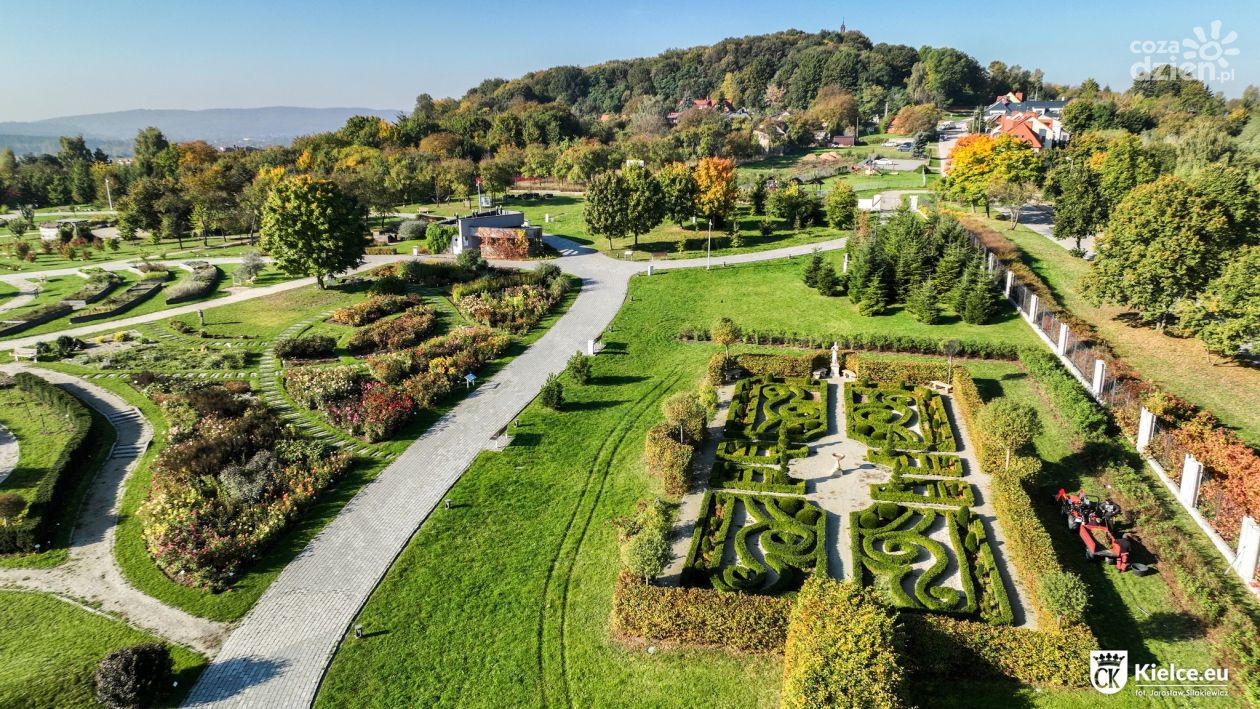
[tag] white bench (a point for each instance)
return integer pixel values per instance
(942, 387)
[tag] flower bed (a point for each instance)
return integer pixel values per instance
(229, 483)
(38, 316)
(166, 358)
(790, 532)
(515, 308)
(320, 387)
(373, 309)
(406, 330)
(432, 370)
(98, 285)
(305, 347)
(199, 284)
(376, 413)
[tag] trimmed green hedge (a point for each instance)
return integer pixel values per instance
(843, 649)
(949, 647)
(742, 451)
(783, 365)
(32, 529)
(938, 492)
(873, 342)
(900, 541)
(913, 463)
(757, 478)
(875, 412)
(783, 402)
(1071, 400)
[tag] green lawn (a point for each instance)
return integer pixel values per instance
(504, 599)
(42, 433)
(169, 249)
(1181, 366)
(51, 649)
(565, 212)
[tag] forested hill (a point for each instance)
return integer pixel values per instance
(784, 68)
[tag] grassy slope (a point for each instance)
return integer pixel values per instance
(42, 435)
(1182, 366)
(51, 650)
(504, 600)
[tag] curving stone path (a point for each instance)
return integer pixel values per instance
(91, 575)
(276, 656)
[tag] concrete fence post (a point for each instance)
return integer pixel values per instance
(1060, 347)
(1100, 377)
(989, 262)
(1248, 555)
(1191, 476)
(1146, 429)
(651, 269)
(845, 268)
(591, 347)
(1032, 307)
(1010, 280)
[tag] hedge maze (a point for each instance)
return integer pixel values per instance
(765, 544)
(898, 416)
(890, 542)
(767, 407)
(917, 489)
(759, 478)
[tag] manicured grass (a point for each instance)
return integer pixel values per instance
(102, 437)
(527, 556)
(42, 433)
(127, 251)
(51, 649)
(266, 317)
(1181, 366)
(566, 220)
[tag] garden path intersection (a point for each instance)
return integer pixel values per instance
(276, 655)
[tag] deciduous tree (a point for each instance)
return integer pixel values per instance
(311, 228)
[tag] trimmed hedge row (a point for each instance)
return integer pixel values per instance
(699, 616)
(873, 342)
(885, 410)
(803, 419)
(741, 451)
(919, 463)
(1087, 416)
(842, 649)
(797, 366)
(889, 371)
(32, 529)
(668, 459)
(948, 647)
(939, 492)
(886, 522)
(1028, 542)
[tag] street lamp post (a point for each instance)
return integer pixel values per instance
(708, 249)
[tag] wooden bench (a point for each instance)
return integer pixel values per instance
(941, 387)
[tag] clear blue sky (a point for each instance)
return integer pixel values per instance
(63, 57)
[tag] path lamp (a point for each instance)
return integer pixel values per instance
(358, 631)
(708, 249)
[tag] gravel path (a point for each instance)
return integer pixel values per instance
(91, 575)
(26, 294)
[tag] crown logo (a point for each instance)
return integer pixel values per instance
(1109, 660)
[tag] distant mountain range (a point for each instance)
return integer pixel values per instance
(113, 132)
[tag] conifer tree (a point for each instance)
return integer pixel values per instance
(922, 303)
(811, 270)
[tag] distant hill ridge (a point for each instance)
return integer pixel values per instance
(219, 126)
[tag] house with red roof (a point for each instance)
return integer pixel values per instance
(1037, 129)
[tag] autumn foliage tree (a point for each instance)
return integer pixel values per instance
(914, 119)
(716, 190)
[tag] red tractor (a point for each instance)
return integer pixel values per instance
(1100, 543)
(1078, 510)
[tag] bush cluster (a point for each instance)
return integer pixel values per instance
(668, 459)
(1087, 416)
(434, 368)
(200, 283)
(373, 309)
(305, 347)
(842, 649)
(757, 478)
(229, 483)
(136, 676)
(796, 366)
(406, 330)
(515, 302)
(643, 539)
(948, 648)
(895, 370)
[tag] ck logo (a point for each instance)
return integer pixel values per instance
(1108, 670)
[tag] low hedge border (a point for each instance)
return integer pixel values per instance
(918, 463)
(32, 529)
(939, 492)
(726, 475)
(872, 342)
(901, 549)
(743, 451)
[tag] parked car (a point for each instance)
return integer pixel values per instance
(904, 147)
(890, 143)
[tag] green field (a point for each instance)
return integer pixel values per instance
(51, 649)
(168, 249)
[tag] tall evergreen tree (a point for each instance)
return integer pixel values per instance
(811, 270)
(922, 303)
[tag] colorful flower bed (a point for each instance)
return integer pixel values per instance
(515, 308)
(231, 480)
(406, 330)
(375, 414)
(433, 370)
(373, 309)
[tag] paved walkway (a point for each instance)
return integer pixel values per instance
(277, 655)
(9, 453)
(1040, 218)
(91, 575)
(26, 294)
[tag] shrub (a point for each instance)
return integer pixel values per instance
(1065, 596)
(668, 459)
(841, 649)
(438, 237)
(134, 676)
(948, 648)
(377, 412)
(411, 229)
(200, 283)
(305, 347)
(646, 554)
(782, 365)
(552, 393)
(683, 411)
(388, 285)
(699, 617)
(515, 308)
(318, 387)
(1087, 416)
(719, 365)
(471, 260)
(579, 368)
(11, 505)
